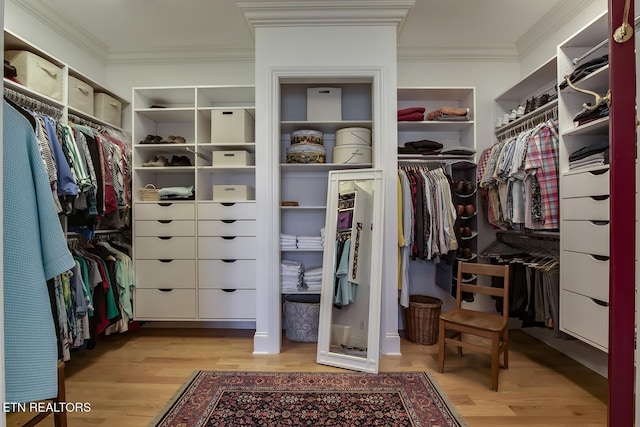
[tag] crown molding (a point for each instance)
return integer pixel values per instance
(326, 13)
(179, 55)
(550, 23)
(482, 53)
(67, 29)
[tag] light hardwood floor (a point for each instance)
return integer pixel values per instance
(129, 378)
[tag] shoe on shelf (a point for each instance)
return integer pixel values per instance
(173, 140)
(156, 161)
(519, 111)
(513, 115)
(151, 139)
(180, 161)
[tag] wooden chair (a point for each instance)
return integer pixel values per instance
(487, 325)
(59, 418)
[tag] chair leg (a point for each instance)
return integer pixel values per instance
(505, 338)
(459, 338)
(60, 418)
(441, 338)
(495, 360)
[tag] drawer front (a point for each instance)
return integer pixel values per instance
(227, 227)
(584, 319)
(165, 304)
(170, 273)
(174, 211)
(585, 274)
(221, 305)
(586, 237)
(231, 210)
(586, 208)
(227, 248)
(585, 184)
(165, 227)
(165, 248)
(227, 274)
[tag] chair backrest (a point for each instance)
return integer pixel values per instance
(490, 270)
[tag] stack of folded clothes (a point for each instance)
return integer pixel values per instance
(171, 193)
(588, 115)
(424, 147)
(591, 155)
(312, 279)
(310, 242)
(450, 114)
(291, 273)
(287, 241)
(585, 69)
(412, 114)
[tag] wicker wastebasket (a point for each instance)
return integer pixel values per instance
(421, 319)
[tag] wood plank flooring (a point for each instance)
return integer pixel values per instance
(129, 378)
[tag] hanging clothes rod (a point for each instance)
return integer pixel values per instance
(32, 103)
(604, 42)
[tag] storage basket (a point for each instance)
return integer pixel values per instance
(302, 316)
(421, 319)
(149, 193)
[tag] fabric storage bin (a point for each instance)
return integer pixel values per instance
(353, 136)
(324, 104)
(233, 125)
(232, 158)
(80, 95)
(107, 108)
(302, 316)
(351, 154)
(36, 73)
(232, 193)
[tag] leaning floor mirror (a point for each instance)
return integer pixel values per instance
(349, 328)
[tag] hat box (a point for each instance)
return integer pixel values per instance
(353, 136)
(352, 153)
(306, 136)
(306, 153)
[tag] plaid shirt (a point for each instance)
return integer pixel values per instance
(542, 160)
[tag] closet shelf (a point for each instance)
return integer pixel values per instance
(302, 208)
(433, 157)
(595, 81)
(165, 169)
(532, 115)
(301, 250)
(93, 119)
(586, 170)
(235, 169)
(320, 167)
(209, 147)
(474, 234)
(596, 127)
(466, 195)
(441, 126)
(469, 216)
(168, 114)
(17, 87)
(287, 127)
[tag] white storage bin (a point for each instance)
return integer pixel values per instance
(324, 104)
(232, 125)
(232, 158)
(36, 73)
(353, 136)
(232, 193)
(80, 95)
(352, 154)
(107, 108)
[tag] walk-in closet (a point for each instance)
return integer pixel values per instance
(296, 186)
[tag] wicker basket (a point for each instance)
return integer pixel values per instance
(421, 319)
(149, 193)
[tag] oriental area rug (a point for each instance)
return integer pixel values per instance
(308, 399)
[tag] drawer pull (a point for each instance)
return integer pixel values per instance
(164, 205)
(228, 221)
(227, 204)
(600, 302)
(228, 237)
(227, 112)
(165, 289)
(165, 260)
(164, 237)
(165, 221)
(228, 290)
(228, 260)
(600, 198)
(599, 257)
(600, 223)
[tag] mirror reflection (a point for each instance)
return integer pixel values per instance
(350, 303)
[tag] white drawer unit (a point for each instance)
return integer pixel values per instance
(165, 248)
(594, 208)
(227, 304)
(164, 210)
(230, 273)
(594, 183)
(165, 227)
(165, 303)
(227, 227)
(590, 237)
(585, 318)
(165, 273)
(585, 274)
(227, 247)
(230, 210)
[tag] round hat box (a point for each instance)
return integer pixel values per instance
(353, 136)
(306, 136)
(352, 153)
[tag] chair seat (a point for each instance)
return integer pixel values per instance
(487, 321)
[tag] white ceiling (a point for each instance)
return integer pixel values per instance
(118, 27)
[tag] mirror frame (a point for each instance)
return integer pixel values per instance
(325, 356)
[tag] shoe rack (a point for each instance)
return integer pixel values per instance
(584, 193)
(463, 174)
(194, 257)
